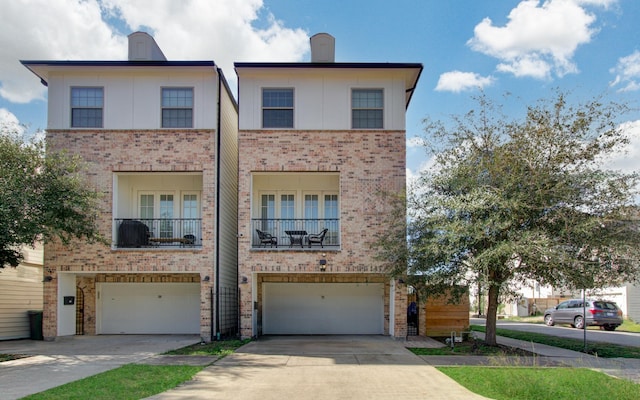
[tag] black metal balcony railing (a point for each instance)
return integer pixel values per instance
(278, 228)
(157, 232)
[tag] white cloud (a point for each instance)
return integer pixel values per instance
(50, 29)
(539, 39)
(9, 123)
(628, 159)
(627, 72)
(222, 30)
(458, 81)
(415, 142)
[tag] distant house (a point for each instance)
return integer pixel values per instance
(160, 141)
(20, 292)
(319, 141)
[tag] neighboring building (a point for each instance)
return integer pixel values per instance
(160, 141)
(20, 292)
(319, 141)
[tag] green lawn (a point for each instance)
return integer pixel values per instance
(129, 382)
(542, 383)
(605, 350)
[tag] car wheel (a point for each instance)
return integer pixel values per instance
(548, 320)
(610, 327)
(578, 322)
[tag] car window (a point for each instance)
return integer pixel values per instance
(576, 304)
(605, 305)
(564, 304)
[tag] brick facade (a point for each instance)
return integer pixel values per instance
(368, 162)
(107, 152)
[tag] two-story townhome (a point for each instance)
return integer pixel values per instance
(319, 141)
(160, 142)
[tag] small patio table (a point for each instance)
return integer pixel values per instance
(296, 237)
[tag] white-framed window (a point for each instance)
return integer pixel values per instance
(277, 108)
(285, 205)
(310, 211)
(367, 108)
(288, 210)
(177, 107)
(168, 214)
(190, 214)
(87, 107)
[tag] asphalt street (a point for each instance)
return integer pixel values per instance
(615, 337)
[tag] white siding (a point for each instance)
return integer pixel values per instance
(20, 291)
(633, 303)
(132, 96)
(228, 203)
(322, 98)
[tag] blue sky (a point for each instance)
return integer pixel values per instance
(525, 47)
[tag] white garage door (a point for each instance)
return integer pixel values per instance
(152, 308)
(323, 308)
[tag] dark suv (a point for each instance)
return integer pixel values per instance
(599, 312)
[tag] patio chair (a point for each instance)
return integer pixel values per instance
(267, 238)
(317, 237)
(189, 240)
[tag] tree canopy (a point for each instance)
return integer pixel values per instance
(508, 200)
(42, 197)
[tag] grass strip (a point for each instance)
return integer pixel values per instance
(605, 350)
(471, 347)
(220, 348)
(129, 382)
(542, 383)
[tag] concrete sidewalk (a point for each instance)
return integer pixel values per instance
(627, 368)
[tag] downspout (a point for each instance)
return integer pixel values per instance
(218, 175)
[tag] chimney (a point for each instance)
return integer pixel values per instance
(323, 48)
(142, 47)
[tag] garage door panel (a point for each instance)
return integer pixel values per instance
(149, 308)
(312, 308)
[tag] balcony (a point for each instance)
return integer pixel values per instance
(299, 230)
(158, 232)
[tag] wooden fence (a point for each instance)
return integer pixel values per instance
(538, 305)
(442, 317)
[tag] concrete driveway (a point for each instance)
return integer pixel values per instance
(320, 367)
(71, 358)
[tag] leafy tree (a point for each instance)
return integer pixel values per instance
(41, 197)
(508, 201)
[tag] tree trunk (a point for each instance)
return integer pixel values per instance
(492, 313)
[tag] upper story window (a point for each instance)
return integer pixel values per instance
(86, 107)
(367, 106)
(277, 108)
(177, 107)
